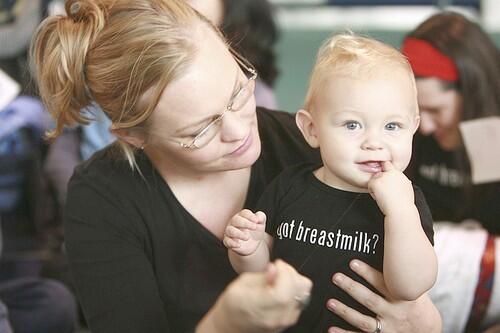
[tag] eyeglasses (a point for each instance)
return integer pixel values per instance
(237, 101)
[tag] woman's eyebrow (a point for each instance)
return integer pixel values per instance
(210, 117)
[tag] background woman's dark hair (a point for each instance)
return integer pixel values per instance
(478, 63)
(476, 57)
(250, 28)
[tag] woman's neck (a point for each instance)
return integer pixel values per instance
(212, 198)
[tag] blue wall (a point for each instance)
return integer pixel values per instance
(296, 52)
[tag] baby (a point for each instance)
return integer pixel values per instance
(361, 112)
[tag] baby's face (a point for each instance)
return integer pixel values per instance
(362, 122)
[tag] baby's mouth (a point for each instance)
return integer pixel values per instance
(371, 166)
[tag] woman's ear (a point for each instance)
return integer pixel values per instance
(305, 123)
(130, 137)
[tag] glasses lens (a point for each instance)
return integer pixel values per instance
(243, 95)
(237, 103)
(208, 133)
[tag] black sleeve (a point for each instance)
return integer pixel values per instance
(114, 279)
(425, 214)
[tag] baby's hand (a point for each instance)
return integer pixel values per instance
(391, 189)
(245, 231)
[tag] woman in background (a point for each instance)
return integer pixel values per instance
(457, 69)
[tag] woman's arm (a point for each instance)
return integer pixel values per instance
(258, 302)
(419, 316)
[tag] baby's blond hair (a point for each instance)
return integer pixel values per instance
(350, 55)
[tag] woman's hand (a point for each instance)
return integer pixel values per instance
(419, 316)
(259, 302)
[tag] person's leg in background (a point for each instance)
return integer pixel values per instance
(38, 306)
(4, 320)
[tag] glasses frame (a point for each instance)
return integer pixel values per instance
(245, 64)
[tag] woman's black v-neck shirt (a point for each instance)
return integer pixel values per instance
(141, 263)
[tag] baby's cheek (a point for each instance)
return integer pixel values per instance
(402, 159)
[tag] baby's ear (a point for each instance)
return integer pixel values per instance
(305, 122)
(417, 123)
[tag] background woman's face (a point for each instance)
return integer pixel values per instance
(440, 112)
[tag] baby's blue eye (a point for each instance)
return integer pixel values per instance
(352, 125)
(392, 126)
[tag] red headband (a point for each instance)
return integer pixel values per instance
(426, 60)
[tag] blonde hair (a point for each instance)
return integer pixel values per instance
(112, 52)
(349, 55)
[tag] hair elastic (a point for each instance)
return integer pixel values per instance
(74, 8)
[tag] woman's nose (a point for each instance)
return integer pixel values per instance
(427, 124)
(234, 127)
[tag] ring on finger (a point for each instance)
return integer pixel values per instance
(303, 300)
(378, 328)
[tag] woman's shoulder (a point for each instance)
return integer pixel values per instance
(107, 174)
(269, 119)
(104, 192)
(104, 166)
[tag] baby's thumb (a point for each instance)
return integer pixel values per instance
(261, 217)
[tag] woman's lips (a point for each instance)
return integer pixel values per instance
(244, 146)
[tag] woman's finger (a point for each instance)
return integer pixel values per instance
(371, 275)
(271, 274)
(363, 322)
(339, 330)
(292, 284)
(360, 293)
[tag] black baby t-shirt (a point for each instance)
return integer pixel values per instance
(319, 229)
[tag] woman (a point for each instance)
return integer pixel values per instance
(143, 232)
(457, 67)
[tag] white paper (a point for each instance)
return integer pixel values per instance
(9, 89)
(482, 142)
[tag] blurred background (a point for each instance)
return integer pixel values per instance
(304, 24)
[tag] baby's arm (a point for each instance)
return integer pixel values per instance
(410, 264)
(247, 241)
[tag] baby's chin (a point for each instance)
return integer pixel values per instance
(359, 187)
